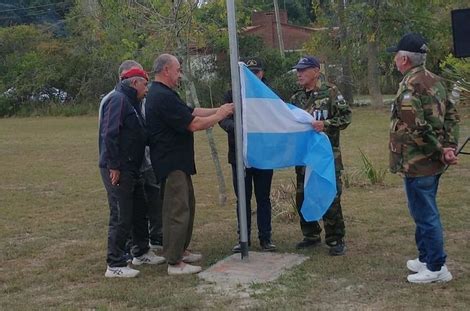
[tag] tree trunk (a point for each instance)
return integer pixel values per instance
(373, 73)
(373, 83)
(210, 137)
(346, 78)
(182, 50)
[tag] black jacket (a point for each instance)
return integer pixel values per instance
(228, 125)
(122, 134)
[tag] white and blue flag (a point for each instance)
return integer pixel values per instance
(277, 135)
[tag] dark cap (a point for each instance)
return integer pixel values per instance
(307, 62)
(254, 63)
(411, 42)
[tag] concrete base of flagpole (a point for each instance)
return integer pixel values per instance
(260, 268)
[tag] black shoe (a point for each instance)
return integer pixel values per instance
(337, 249)
(238, 248)
(267, 246)
(308, 242)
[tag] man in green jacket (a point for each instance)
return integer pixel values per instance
(423, 138)
(331, 114)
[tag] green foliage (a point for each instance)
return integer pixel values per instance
(382, 22)
(373, 174)
(351, 178)
(101, 34)
(7, 106)
(32, 61)
(364, 176)
(457, 71)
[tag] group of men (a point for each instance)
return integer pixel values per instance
(166, 126)
(323, 100)
(423, 139)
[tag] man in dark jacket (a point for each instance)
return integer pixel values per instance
(261, 179)
(151, 186)
(122, 140)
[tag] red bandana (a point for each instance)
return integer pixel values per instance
(134, 72)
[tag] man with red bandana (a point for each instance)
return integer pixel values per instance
(122, 140)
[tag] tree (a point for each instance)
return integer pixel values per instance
(346, 77)
(179, 25)
(373, 83)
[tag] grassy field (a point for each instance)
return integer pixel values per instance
(54, 214)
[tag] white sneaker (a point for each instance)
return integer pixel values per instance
(186, 269)
(121, 272)
(155, 247)
(189, 257)
(415, 265)
(148, 258)
(427, 276)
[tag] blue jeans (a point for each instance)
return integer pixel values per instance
(421, 193)
(261, 180)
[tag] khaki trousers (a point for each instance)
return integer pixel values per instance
(178, 215)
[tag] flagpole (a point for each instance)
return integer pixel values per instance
(236, 95)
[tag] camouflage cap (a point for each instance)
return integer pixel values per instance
(411, 42)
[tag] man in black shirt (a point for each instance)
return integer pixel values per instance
(171, 124)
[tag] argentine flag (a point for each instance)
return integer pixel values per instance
(277, 135)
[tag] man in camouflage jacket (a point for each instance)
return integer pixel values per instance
(423, 138)
(331, 115)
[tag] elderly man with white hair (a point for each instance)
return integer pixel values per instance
(423, 138)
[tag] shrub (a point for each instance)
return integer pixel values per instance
(283, 202)
(7, 106)
(373, 175)
(457, 72)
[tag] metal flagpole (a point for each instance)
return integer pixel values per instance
(236, 95)
(279, 29)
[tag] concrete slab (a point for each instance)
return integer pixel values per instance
(259, 268)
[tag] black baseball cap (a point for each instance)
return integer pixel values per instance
(411, 42)
(307, 62)
(254, 63)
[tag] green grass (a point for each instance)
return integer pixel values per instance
(54, 214)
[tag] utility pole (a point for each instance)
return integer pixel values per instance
(278, 28)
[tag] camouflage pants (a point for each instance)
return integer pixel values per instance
(333, 221)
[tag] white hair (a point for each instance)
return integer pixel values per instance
(129, 81)
(415, 58)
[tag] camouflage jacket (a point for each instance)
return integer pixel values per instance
(326, 103)
(423, 122)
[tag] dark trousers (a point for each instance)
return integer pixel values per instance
(127, 216)
(178, 215)
(154, 203)
(261, 180)
(333, 221)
